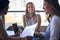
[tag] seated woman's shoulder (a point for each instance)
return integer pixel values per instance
(24, 16)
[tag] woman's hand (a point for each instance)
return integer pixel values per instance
(37, 33)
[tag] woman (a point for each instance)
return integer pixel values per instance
(3, 10)
(53, 31)
(31, 18)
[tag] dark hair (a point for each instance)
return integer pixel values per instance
(3, 4)
(27, 9)
(55, 5)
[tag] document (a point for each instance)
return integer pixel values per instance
(10, 33)
(28, 31)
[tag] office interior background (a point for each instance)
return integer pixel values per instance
(17, 9)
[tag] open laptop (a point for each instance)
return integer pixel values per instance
(15, 27)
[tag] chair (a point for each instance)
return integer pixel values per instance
(4, 34)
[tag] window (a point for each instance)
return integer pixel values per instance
(59, 1)
(18, 5)
(17, 10)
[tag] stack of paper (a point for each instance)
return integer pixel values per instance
(28, 31)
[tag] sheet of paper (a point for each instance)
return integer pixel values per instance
(10, 33)
(28, 31)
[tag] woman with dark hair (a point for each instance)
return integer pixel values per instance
(4, 4)
(4, 7)
(53, 31)
(31, 18)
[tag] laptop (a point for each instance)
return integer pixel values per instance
(15, 27)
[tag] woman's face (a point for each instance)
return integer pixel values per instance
(30, 8)
(47, 8)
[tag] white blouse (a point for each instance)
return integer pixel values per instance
(54, 28)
